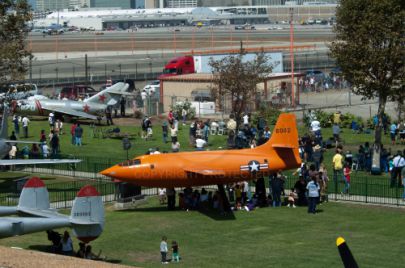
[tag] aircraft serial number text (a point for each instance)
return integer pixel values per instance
(283, 130)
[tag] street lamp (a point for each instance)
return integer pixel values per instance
(292, 56)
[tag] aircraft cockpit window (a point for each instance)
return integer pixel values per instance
(131, 162)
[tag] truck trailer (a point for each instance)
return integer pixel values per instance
(200, 63)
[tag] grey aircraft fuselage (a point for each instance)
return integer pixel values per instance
(45, 106)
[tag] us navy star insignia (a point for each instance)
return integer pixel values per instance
(254, 166)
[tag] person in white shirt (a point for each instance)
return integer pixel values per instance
(162, 195)
(184, 115)
(163, 250)
(231, 125)
(175, 147)
(173, 133)
(315, 125)
(45, 150)
(200, 143)
(313, 195)
(51, 121)
(246, 119)
(398, 163)
(25, 122)
(12, 153)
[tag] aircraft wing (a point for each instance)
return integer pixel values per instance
(206, 172)
(44, 213)
(22, 142)
(4, 211)
(12, 226)
(72, 112)
(10, 162)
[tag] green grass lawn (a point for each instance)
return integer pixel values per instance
(266, 237)
(112, 148)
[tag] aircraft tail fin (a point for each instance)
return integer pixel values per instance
(284, 140)
(34, 195)
(87, 215)
(110, 95)
(4, 124)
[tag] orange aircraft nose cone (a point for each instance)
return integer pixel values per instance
(110, 172)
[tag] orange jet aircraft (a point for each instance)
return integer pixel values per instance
(200, 168)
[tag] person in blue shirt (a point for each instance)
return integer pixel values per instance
(313, 195)
(393, 132)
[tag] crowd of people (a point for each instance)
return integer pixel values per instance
(49, 145)
(63, 244)
(320, 82)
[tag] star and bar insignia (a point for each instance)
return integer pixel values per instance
(254, 166)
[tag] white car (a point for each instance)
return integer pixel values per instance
(152, 87)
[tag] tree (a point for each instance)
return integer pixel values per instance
(238, 79)
(14, 15)
(369, 48)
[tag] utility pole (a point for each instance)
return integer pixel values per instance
(86, 71)
(30, 66)
(292, 56)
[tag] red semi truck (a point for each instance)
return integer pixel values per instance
(200, 63)
(179, 65)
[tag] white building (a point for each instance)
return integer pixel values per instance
(43, 5)
(181, 3)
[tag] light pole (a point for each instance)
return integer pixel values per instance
(292, 56)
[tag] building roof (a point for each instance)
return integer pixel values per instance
(206, 77)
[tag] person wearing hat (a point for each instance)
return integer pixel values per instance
(398, 163)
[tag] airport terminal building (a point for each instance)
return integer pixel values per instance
(103, 19)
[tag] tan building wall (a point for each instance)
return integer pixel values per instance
(174, 91)
(275, 90)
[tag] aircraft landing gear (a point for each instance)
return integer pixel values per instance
(225, 200)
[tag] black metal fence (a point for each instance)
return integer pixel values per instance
(363, 188)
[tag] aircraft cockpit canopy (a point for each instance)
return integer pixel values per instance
(130, 162)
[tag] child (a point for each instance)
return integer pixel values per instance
(175, 250)
(291, 198)
(346, 172)
(163, 249)
(162, 195)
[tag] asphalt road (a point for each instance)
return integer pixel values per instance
(121, 54)
(163, 38)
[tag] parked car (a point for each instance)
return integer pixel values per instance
(153, 87)
(76, 92)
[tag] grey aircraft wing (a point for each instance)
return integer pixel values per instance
(10, 162)
(4, 211)
(12, 226)
(71, 112)
(22, 142)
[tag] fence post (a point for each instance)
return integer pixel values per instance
(336, 187)
(366, 189)
(64, 195)
(397, 194)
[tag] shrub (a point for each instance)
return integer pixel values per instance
(270, 114)
(324, 118)
(138, 114)
(179, 106)
(348, 118)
